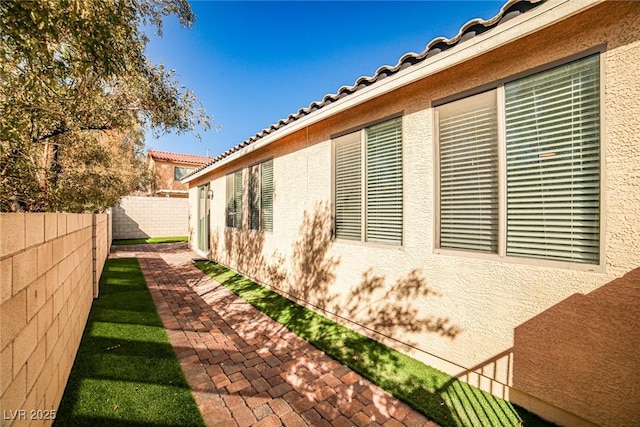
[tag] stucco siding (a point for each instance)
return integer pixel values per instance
(542, 335)
(165, 176)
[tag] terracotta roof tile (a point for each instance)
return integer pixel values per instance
(166, 156)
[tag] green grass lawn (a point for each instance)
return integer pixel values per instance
(149, 240)
(125, 372)
(437, 395)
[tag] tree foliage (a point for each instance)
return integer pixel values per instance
(76, 90)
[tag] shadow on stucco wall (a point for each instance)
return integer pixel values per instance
(583, 348)
(373, 303)
(243, 251)
(190, 229)
(313, 270)
(309, 276)
(394, 306)
(571, 355)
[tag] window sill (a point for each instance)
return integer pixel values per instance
(253, 230)
(591, 268)
(375, 245)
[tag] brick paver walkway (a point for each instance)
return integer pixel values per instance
(246, 369)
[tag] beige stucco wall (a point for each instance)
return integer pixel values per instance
(164, 176)
(556, 340)
(137, 217)
(49, 266)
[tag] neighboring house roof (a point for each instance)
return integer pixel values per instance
(165, 156)
(409, 61)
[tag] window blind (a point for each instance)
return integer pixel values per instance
(254, 197)
(553, 163)
(469, 173)
(267, 195)
(348, 187)
(384, 182)
(237, 195)
(230, 201)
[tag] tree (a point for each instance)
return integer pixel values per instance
(76, 90)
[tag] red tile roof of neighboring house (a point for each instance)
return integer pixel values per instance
(166, 156)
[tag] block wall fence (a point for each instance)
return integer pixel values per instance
(137, 217)
(50, 264)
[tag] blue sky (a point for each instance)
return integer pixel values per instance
(253, 63)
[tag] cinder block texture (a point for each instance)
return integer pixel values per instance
(140, 217)
(50, 264)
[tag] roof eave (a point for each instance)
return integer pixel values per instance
(181, 162)
(549, 13)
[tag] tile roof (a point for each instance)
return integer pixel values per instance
(166, 156)
(509, 10)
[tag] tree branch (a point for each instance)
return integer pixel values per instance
(63, 130)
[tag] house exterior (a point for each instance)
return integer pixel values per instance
(477, 207)
(169, 168)
(136, 216)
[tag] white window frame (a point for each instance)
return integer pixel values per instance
(362, 134)
(502, 256)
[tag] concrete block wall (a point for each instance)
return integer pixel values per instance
(48, 273)
(101, 241)
(138, 217)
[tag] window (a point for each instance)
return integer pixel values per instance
(261, 196)
(234, 199)
(348, 187)
(519, 167)
(368, 184)
(180, 172)
(203, 217)
(469, 174)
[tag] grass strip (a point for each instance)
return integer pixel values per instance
(149, 240)
(438, 396)
(126, 372)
